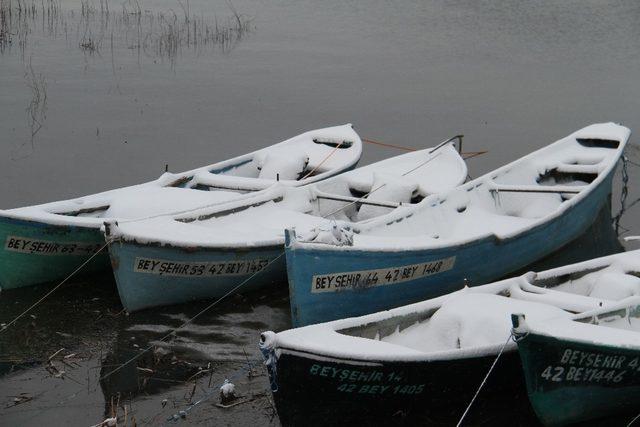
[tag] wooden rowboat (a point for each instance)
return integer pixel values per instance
(421, 364)
(208, 253)
(583, 368)
(47, 242)
(479, 232)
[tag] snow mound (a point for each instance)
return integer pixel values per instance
(386, 188)
(470, 321)
(615, 286)
(338, 234)
(286, 166)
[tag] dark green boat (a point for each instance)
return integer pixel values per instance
(585, 368)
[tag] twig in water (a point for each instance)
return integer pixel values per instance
(231, 405)
(55, 354)
(37, 108)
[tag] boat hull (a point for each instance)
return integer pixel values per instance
(36, 252)
(371, 281)
(151, 275)
(566, 390)
(310, 389)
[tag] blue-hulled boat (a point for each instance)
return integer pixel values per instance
(47, 242)
(476, 233)
(210, 252)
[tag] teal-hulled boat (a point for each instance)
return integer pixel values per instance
(47, 242)
(585, 368)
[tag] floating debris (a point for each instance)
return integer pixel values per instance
(21, 398)
(56, 353)
(108, 422)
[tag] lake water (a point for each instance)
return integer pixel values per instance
(96, 95)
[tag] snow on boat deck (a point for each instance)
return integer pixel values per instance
(261, 220)
(617, 325)
(303, 159)
(514, 198)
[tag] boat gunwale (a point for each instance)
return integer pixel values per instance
(538, 327)
(457, 354)
(195, 248)
(43, 224)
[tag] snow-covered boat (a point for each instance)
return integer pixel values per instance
(583, 368)
(209, 252)
(422, 363)
(476, 233)
(47, 242)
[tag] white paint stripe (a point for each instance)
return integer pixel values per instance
(164, 267)
(28, 245)
(381, 277)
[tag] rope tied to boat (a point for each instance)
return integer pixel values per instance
(382, 144)
(188, 321)
(336, 148)
(429, 159)
(32, 306)
(636, 418)
(486, 377)
(632, 149)
(624, 192)
(465, 155)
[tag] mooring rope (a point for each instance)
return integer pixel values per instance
(323, 160)
(486, 377)
(429, 159)
(173, 331)
(362, 198)
(399, 147)
(188, 321)
(5, 327)
(623, 194)
(465, 155)
(471, 154)
(637, 417)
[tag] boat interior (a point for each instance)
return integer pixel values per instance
(505, 201)
(300, 160)
(368, 191)
(382, 187)
(480, 317)
(626, 318)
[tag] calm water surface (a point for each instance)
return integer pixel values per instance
(131, 90)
